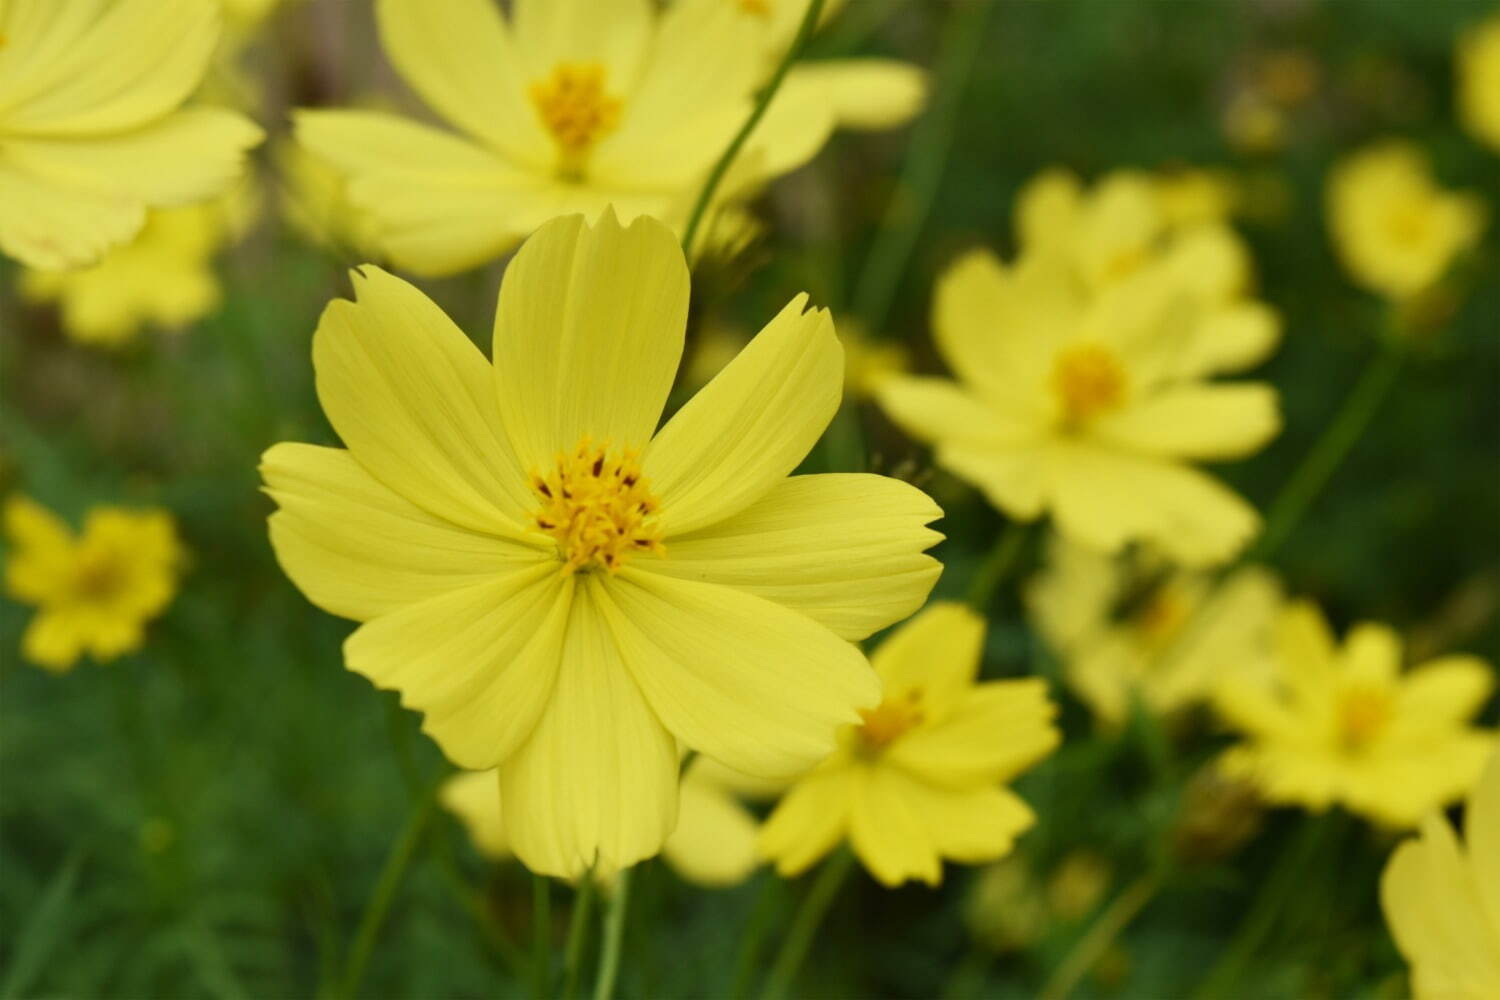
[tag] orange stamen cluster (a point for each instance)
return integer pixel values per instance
(889, 720)
(574, 107)
(1089, 380)
(598, 508)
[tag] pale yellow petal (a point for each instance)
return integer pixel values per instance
(937, 653)
(794, 128)
(1447, 690)
(971, 825)
(1482, 834)
(1047, 208)
(53, 640)
(997, 730)
(53, 227)
(888, 832)
(1230, 338)
(597, 780)
(714, 843)
(749, 683)
(588, 335)
(413, 400)
(1198, 421)
(940, 410)
(614, 33)
(1014, 478)
(845, 550)
(1305, 643)
(750, 426)
(474, 797)
(809, 821)
(1371, 654)
(866, 93)
(39, 561)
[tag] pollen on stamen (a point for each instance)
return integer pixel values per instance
(1088, 379)
(597, 507)
(575, 108)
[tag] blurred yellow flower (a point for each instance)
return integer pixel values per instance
(165, 277)
(868, 362)
(315, 203)
(1343, 725)
(1479, 81)
(94, 591)
(92, 125)
(921, 778)
(566, 594)
(1194, 196)
(1133, 627)
(1442, 900)
(1083, 378)
(568, 106)
(1395, 230)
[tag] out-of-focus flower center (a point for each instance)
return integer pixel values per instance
(1124, 262)
(1362, 714)
(760, 8)
(890, 719)
(1410, 223)
(1161, 617)
(1089, 380)
(575, 108)
(98, 577)
(598, 508)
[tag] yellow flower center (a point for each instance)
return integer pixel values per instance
(1124, 262)
(1161, 617)
(574, 107)
(1088, 379)
(598, 508)
(98, 577)
(1362, 713)
(1410, 224)
(888, 720)
(760, 8)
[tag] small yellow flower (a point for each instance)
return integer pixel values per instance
(565, 591)
(921, 778)
(1131, 628)
(92, 127)
(94, 592)
(1479, 81)
(1083, 374)
(1395, 230)
(1442, 899)
(1345, 726)
(1194, 196)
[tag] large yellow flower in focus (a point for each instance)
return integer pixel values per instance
(1442, 900)
(569, 106)
(1087, 395)
(1343, 725)
(1479, 81)
(921, 777)
(92, 132)
(567, 592)
(1130, 627)
(95, 591)
(1395, 230)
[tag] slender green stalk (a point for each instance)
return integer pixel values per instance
(931, 142)
(379, 903)
(754, 934)
(998, 565)
(805, 924)
(1087, 951)
(583, 902)
(541, 941)
(1328, 453)
(720, 168)
(614, 935)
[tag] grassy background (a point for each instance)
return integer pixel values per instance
(208, 816)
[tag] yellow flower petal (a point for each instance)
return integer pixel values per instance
(751, 425)
(1482, 833)
(474, 797)
(414, 402)
(52, 227)
(889, 835)
(588, 336)
(1446, 691)
(54, 639)
(939, 409)
(747, 682)
(714, 843)
(598, 777)
(41, 551)
(1199, 421)
(1231, 338)
(478, 662)
(1047, 208)
(865, 93)
(810, 821)
(331, 509)
(845, 550)
(1371, 654)
(971, 825)
(1014, 479)
(995, 732)
(614, 33)
(937, 652)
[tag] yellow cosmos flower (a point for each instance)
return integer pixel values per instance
(1089, 402)
(94, 592)
(1442, 900)
(1134, 628)
(1479, 81)
(566, 594)
(1344, 725)
(920, 778)
(315, 203)
(92, 132)
(1395, 230)
(568, 106)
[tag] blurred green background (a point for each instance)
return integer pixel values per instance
(208, 816)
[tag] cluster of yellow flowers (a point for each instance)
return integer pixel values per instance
(576, 594)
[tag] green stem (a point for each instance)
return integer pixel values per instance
(541, 941)
(805, 924)
(583, 901)
(1085, 954)
(998, 565)
(750, 940)
(614, 934)
(379, 903)
(720, 168)
(1328, 453)
(931, 142)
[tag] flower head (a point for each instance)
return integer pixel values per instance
(91, 124)
(94, 591)
(1344, 725)
(567, 592)
(920, 778)
(1395, 230)
(1479, 81)
(1442, 899)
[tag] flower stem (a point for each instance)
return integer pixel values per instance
(541, 929)
(1085, 954)
(998, 565)
(614, 934)
(931, 142)
(721, 167)
(805, 924)
(583, 901)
